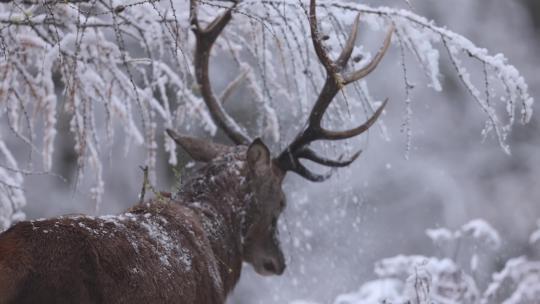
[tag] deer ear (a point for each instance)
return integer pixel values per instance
(258, 157)
(199, 149)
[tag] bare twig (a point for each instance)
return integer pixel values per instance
(145, 184)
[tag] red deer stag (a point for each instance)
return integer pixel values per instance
(188, 248)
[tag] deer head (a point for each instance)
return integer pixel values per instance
(264, 174)
(264, 204)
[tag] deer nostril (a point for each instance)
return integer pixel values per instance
(269, 266)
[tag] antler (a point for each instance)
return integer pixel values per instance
(336, 79)
(205, 38)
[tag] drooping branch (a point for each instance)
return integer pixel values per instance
(78, 44)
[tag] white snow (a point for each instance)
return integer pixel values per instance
(151, 87)
(483, 231)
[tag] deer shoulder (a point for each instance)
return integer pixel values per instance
(146, 255)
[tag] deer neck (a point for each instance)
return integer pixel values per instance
(219, 194)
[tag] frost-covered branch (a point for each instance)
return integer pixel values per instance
(426, 280)
(123, 70)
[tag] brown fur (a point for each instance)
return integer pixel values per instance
(184, 249)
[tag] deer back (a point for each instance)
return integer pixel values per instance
(156, 253)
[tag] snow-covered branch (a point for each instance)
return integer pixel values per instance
(425, 280)
(126, 66)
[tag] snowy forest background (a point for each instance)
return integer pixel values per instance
(407, 221)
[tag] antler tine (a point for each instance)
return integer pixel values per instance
(349, 45)
(305, 173)
(334, 81)
(205, 39)
(328, 64)
(337, 135)
(314, 157)
(193, 15)
(359, 74)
